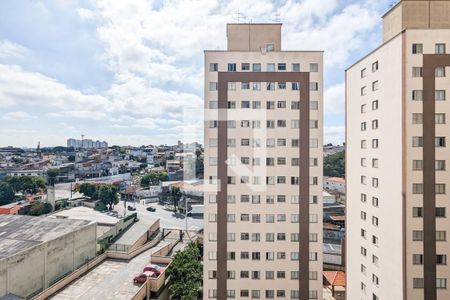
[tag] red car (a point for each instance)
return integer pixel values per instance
(157, 270)
(142, 277)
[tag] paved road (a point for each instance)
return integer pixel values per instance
(168, 219)
(110, 280)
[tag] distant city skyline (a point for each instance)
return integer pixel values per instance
(109, 70)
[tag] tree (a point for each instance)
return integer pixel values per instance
(175, 194)
(142, 166)
(89, 190)
(52, 174)
(26, 184)
(71, 158)
(334, 165)
(154, 178)
(6, 193)
(186, 273)
(163, 176)
(39, 208)
(107, 194)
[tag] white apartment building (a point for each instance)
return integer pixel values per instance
(397, 178)
(263, 168)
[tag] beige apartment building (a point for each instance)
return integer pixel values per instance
(397, 157)
(263, 168)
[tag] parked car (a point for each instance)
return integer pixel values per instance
(142, 277)
(132, 208)
(157, 270)
(152, 209)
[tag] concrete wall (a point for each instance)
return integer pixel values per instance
(35, 269)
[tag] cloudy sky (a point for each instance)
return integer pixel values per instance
(126, 71)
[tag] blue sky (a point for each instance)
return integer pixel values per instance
(127, 71)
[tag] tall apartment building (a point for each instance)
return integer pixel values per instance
(263, 166)
(397, 177)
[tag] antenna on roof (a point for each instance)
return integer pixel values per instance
(238, 16)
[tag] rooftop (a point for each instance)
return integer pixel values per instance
(18, 233)
(87, 214)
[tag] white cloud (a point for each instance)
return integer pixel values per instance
(334, 135)
(334, 99)
(17, 115)
(10, 50)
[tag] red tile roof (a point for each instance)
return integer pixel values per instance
(335, 278)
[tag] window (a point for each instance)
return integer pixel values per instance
(213, 86)
(363, 73)
(418, 235)
(363, 251)
(375, 143)
(281, 67)
(417, 118)
(270, 67)
(375, 260)
(440, 48)
(417, 212)
(375, 221)
(439, 188)
(245, 104)
(375, 66)
(245, 67)
(363, 162)
(281, 85)
(375, 105)
(374, 201)
(244, 293)
(417, 72)
(256, 67)
(375, 279)
(231, 67)
(295, 105)
(281, 104)
(363, 198)
(417, 141)
(374, 240)
(363, 215)
(213, 67)
(439, 165)
(439, 141)
(313, 67)
(314, 105)
(363, 108)
(375, 85)
(441, 259)
(313, 86)
(374, 162)
(212, 104)
(417, 259)
(417, 95)
(245, 85)
(417, 165)
(363, 126)
(295, 67)
(417, 188)
(295, 86)
(363, 91)
(374, 124)
(417, 48)
(363, 179)
(440, 72)
(440, 212)
(270, 47)
(418, 283)
(363, 144)
(439, 118)
(270, 86)
(441, 283)
(375, 182)
(270, 105)
(439, 95)
(441, 235)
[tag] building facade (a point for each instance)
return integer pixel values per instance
(396, 158)
(263, 168)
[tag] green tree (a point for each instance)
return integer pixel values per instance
(154, 178)
(175, 194)
(89, 190)
(334, 165)
(39, 183)
(39, 208)
(163, 176)
(186, 273)
(26, 184)
(52, 174)
(107, 194)
(6, 193)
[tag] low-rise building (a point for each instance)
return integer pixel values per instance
(334, 184)
(38, 251)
